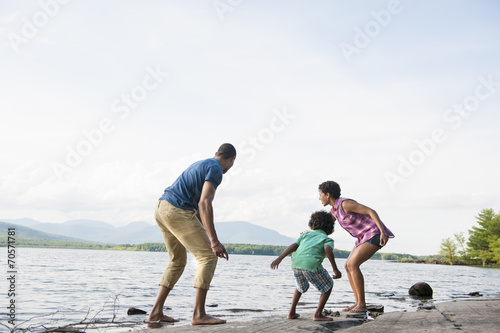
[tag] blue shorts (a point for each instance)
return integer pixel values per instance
(319, 278)
(375, 240)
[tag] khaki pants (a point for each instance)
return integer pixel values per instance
(183, 230)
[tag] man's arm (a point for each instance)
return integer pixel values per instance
(206, 215)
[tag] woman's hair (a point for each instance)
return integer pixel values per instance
(322, 220)
(330, 187)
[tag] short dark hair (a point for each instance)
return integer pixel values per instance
(322, 220)
(226, 150)
(330, 187)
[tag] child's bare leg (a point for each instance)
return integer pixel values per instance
(318, 316)
(295, 300)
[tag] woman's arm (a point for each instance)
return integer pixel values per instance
(351, 206)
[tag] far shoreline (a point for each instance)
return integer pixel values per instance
(444, 263)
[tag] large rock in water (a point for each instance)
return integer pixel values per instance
(134, 311)
(421, 289)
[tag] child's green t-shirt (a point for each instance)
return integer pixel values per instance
(310, 253)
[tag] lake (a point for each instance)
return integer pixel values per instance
(55, 287)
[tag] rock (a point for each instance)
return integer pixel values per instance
(421, 289)
(475, 293)
(134, 311)
(375, 308)
(426, 307)
(331, 313)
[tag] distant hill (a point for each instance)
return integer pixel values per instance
(23, 232)
(142, 232)
(248, 233)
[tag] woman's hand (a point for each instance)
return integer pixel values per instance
(383, 238)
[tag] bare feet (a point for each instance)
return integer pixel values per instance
(207, 320)
(349, 308)
(322, 318)
(358, 309)
(161, 318)
(293, 315)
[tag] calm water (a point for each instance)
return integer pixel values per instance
(57, 287)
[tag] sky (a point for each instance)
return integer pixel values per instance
(104, 104)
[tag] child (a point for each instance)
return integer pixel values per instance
(310, 250)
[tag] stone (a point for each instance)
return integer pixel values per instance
(375, 308)
(421, 289)
(331, 313)
(134, 311)
(475, 293)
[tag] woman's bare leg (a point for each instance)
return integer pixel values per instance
(351, 282)
(358, 256)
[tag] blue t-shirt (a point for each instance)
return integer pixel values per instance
(185, 192)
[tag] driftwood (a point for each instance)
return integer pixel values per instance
(87, 323)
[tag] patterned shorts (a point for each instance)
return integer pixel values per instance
(319, 278)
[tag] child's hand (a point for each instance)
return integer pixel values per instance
(275, 263)
(337, 275)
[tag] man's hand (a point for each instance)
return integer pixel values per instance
(220, 251)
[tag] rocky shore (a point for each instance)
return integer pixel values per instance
(474, 316)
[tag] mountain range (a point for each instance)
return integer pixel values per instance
(141, 232)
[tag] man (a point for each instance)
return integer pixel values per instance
(178, 214)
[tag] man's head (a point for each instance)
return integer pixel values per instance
(226, 154)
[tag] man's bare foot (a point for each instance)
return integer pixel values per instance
(161, 318)
(349, 308)
(207, 320)
(322, 318)
(293, 316)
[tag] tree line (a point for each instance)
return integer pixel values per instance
(482, 246)
(246, 249)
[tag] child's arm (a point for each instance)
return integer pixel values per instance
(331, 257)
(289, 250)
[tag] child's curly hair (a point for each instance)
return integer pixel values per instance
(322, 220)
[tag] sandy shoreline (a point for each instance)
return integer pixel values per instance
(467, 316)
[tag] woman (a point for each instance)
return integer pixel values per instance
(362, 223)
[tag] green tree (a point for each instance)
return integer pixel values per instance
(480, 237)
(495, 249)
(448, 250)
(461, 242)
(389, 256)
